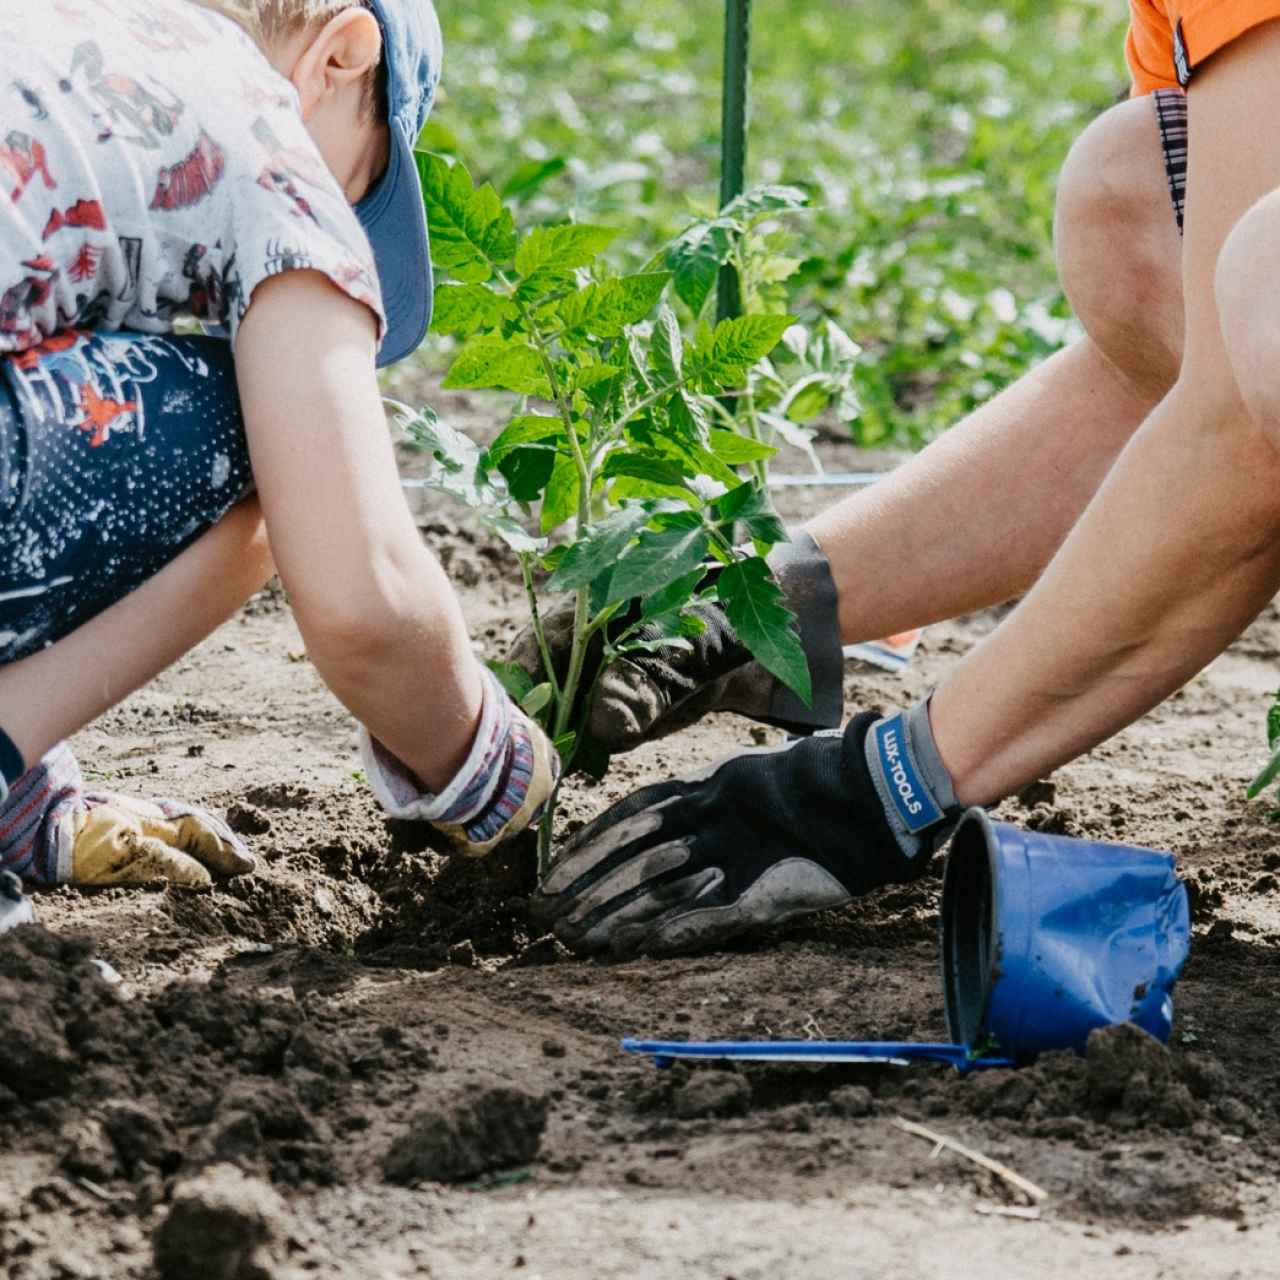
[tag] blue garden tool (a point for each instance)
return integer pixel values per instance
(1044, 938)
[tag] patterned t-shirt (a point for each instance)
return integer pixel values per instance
(154, 167)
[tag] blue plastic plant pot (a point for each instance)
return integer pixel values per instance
(1045, 938)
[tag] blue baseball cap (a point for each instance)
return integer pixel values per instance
(392, 213)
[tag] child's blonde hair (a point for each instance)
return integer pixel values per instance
(270, 20)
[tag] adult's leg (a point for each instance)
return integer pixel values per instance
(1181, 547)
(973, 519)
(52, 694)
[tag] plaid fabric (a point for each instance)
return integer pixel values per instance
(1171, 116)
(29, 817)
(489, 789)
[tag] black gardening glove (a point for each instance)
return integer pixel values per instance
(762, 838)
(645, 696)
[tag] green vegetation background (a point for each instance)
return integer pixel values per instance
(929, 131)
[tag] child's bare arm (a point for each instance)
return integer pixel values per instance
(381, 622)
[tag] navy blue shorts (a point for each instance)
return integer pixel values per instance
(117, 451)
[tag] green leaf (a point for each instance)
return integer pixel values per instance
(463, 309)
(652, 468)
(529, 176)
(493, 362)
(527, 471)
(666, 351)
(1273, 721)
(458, 470)
(524, 430)
(695, 258)
(749, 507)
(606, 308)
(514, 679)
(597, 549)
(766, 199)
(550, 253)
(471, 232)
(1269, 774)
(536, 700)
(560, 501)
(755, 606)
(734, 450)
(674, 596)
(687, 416)
(656, 560)
(733, 346)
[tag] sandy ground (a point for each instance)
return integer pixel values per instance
(299, 1023)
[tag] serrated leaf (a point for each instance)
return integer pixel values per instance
(524, 430)
(666, 350)
(471, 232)
(629, 488)
(755, 607)
(560, 501)
(553, 252)
(735, 450)
(766, 199)
(695, 257)
(492, 362)
(749, 506)
(458, 469)
(606, 308)
(657, 559)
(463, 309)
(596, 550)
(796, 436)
(514, 679)
(733, 346)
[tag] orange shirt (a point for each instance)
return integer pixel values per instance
(1168, 39)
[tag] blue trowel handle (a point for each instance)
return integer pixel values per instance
(665, 1052)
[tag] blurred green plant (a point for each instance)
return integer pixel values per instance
(928, 134)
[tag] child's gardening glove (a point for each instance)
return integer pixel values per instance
(645, 696)
(53, 831)
(501, 790)
(762, 838)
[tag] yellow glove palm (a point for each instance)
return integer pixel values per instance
(120, 840)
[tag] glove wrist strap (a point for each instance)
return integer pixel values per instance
(913, 784)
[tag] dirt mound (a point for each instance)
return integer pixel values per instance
(146, 1089)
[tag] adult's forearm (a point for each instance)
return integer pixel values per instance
(973, 519)
(1178, 552)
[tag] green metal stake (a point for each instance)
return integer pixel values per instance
(733, 134)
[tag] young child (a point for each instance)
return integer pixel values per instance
(247, 164)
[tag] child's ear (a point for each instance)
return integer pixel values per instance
(340, 56)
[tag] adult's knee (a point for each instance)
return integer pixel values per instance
(1118, 248)
(1247, 291)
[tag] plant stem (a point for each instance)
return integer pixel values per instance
(566, 696)
(733, 139)
(539, 633)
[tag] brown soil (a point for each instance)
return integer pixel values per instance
(432, 1089)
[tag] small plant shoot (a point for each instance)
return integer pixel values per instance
(623, 481)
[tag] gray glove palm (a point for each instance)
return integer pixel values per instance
(762, 838)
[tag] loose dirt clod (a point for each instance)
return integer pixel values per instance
(220, 1228)
(713, 1093)
(477, 1129)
